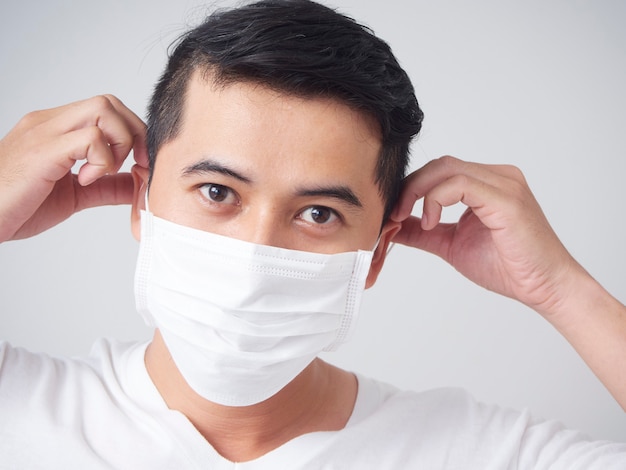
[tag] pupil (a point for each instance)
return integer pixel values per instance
(320, 214)
(217, 193)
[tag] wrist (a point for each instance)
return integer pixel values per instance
(581, 301)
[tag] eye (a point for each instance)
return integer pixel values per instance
(319, 215)
(218, 193)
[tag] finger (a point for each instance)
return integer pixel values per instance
(108, 190)
(121, 128)
(45, 161)
(406, 202)
(420, 182)
(137, 128)
(86, 143)
(445, 167)
(140, 151)
(417, 184)
(484, 199)
(436, 240)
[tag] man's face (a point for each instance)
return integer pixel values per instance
(256, 165)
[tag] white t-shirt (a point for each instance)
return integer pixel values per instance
(104, 412)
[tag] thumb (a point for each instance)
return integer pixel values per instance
(436, 241)
(109, 190)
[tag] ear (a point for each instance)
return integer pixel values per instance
(141, 176)
(387, 233)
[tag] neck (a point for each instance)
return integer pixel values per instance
(320, 398)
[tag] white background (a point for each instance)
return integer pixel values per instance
(536, 84)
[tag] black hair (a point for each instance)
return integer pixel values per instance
(300, 48)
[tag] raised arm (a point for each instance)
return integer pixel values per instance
(504, 243)
(37, 156)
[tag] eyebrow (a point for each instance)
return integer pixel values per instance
(211, 166)
(341, 193)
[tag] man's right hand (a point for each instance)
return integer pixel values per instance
(38, 189)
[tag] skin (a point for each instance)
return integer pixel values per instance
(288, 159)
(277, 170)
(274, 162)
(504, 243)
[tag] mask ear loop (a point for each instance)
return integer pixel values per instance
(389, 248)
(146, 200)
(376, 244)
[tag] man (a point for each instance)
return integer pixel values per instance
(266, 198)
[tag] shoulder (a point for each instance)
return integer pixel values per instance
(444, 427)
(435, 422)
(378, 399)
(18, 365)
(32, 381)
(57, 409)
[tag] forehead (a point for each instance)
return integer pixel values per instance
(275, 138)
(250, 110)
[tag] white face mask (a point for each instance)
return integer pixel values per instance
(242, 320)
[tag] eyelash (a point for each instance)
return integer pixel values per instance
(333, 215)
(205, 191)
